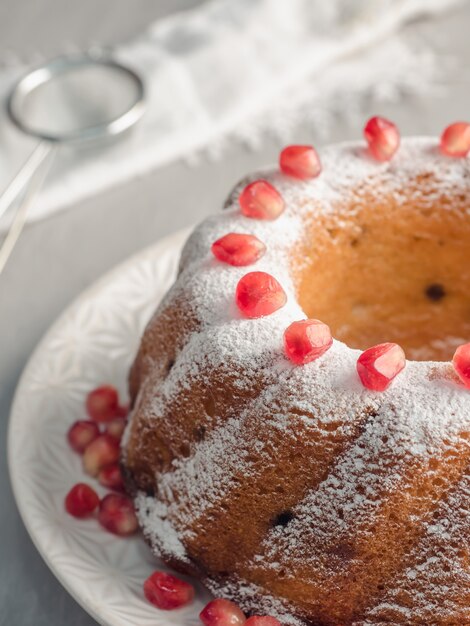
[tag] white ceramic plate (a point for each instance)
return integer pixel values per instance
(93, 342)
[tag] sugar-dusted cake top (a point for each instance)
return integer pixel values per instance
(417, 426)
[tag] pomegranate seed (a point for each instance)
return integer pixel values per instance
(461, 362)
(111, 477)
(383, 138)
(238, 250)
(260, 200)
(307, 340)
(102, 403)
(259, 294)
(168, 592)
(103, 451)
(300, 162)
(81, 500)
(116, 428)
(117, 515)
(455, 140)
(222, 613)
(379, 365)
(262, 620)
(122, 411)
(81, 434)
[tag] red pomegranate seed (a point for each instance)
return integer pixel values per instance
(260, 200)
(102, 403)
(379, 365)
(262, 620)
(111, 477)
(307, 340)
(455, 140)
(259, 294)
(168, 592)
(117, 515)
(104, 450)
(116, 428)
(236, 249)
(300, 162)
(461, 362)
(122, 411)
(383, 138)
(81, 434)
(222, 612)
(81, 500)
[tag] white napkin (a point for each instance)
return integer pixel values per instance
(236, 69)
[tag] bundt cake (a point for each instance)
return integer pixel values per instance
(296, 475)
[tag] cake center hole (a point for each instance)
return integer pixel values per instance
(394, 272)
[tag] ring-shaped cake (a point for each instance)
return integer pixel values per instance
(293, 489)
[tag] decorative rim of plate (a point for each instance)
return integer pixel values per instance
(176, 241)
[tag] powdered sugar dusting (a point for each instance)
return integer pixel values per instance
(440, 575)
(253, 595)
(155, 513)
(424, 415)
(406, 428)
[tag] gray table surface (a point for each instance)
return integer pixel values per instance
(57, 258)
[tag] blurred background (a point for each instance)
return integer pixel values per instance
(229, 82)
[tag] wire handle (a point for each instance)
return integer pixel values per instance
(30, 178)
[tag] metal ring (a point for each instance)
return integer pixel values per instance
(43, 74)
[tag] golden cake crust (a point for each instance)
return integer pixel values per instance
(292, 489)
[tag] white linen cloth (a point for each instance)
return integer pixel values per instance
(237, 69)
